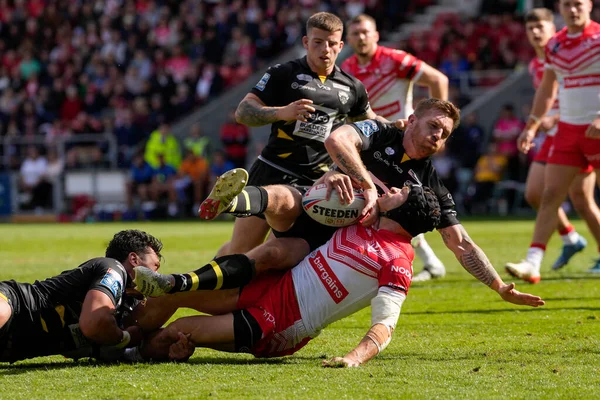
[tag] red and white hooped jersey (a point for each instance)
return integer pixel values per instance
(388, 79)
(536, 70)
(342, 276)
(576, 61)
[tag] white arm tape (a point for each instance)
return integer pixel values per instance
(385, 307)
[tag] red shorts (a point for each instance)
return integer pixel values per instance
(572, 148)
(271, 299)
(542, 155)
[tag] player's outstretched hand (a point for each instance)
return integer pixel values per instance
(370, 214)
(340, 362)
(298, 110)
(525, 141)
(593, 131)
(510, 294)
(182, 349)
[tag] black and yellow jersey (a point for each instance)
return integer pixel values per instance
(298, 146)
(385, 157)
(45, 318)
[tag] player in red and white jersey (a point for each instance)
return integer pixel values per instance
(573, 70)
(280, 312)
(540, 28)
(389, 75)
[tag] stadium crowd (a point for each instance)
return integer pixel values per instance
(128, 69)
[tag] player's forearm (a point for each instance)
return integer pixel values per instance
(542, 103)
(470, 256)
(439, 88)
(347, 158)
(252, 113)
(366, 350)
(102, 329)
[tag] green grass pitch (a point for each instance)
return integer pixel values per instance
(455, 337)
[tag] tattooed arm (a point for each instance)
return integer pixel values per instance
(474, 260)
(344, 145)
(253, 112)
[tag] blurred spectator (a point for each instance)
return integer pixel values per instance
(56, 165)
(489, 171)
(163, 144)
(219, 165)
(235, 138)
(192, 180)
(163, 183)
(465, 146)
(446, 166)
(199, 144)
(127, 138)
(138, 184)
(454, 66)
(36, 190)
(505, 134)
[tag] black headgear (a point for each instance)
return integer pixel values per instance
(420, 213)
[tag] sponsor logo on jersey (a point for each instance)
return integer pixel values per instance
(296, 85)
(341, 87)
(379, 157)
(113, 282)
(336, 290)
(396, 287)
(402, 271)
(344, 97)
(263, 82)
(304, 77)
(367, 127)
(318, 125)
(592, 157)
(319, 117)
(323, 87)
(389, 151)
(580, 81)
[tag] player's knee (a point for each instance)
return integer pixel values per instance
(533, 198)
(284, 200)
(553, 196)
(5, 312)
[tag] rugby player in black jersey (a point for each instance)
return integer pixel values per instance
(80, 312)
(369, 151)
(303, 100)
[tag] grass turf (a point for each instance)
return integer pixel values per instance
(455, 338)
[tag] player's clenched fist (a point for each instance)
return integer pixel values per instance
(525, 140)
(593, 131)
(298, 110)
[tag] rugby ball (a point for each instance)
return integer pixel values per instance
(331, 212)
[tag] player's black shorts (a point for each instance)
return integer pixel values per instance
(5, 343)
(313, 232)
(24, 336)
(263, 174)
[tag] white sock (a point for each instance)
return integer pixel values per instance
(570, 238)
(535, 256)
(424, 251)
